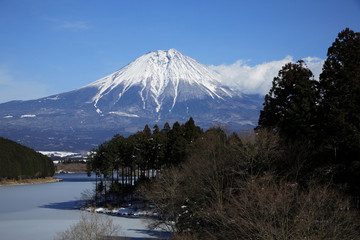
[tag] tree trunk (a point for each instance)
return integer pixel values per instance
(105, 178)
(122, 176)
(96, 188)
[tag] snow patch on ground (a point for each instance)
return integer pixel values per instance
(61, 154)
(124, 212)
(123, 114)
(28, 116)
(53, 98)
(132, 212)
(98, 111)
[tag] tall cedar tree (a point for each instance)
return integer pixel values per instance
(289, 107)
(339, 110)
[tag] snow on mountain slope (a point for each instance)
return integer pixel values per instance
(159, 74)
(158, 87)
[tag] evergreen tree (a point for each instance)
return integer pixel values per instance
(290, 106)
(176, 151)
(137, 156)
(118, 143)
(20, 162)
(133, 155)
(159, 148)
(339, 110)
(166, 129)
(146, 149)
(192, 132)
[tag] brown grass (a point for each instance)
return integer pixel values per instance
(28, 181)
(71, 167)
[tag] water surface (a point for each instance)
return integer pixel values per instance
(38, 211)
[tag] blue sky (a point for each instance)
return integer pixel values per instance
(49, 47)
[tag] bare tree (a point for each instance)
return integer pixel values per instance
(261, 152)
(166, 193)
(229, 188)
(92, 226)
(266, 208)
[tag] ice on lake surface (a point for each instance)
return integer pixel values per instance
(39, 211)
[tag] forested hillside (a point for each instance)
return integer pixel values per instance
(297, 176)
(20, 162)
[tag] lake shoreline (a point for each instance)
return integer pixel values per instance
(9, 182)
(39, 211)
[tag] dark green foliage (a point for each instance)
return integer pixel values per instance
(191, 132)
(340, 89)
(279, 183)
(20, 162)
(291, 179)
(138, 156)
(180, 193)
(339, 110)
(228, 188)
(176, 145)
(289, 108)
(319, 122)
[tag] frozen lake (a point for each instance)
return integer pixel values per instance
(39, 211)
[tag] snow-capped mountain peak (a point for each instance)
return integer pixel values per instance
(159, 75)
(157, 88)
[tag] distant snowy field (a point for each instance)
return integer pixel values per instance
(62, 154)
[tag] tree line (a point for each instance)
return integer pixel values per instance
(321, 118)
(230, 187)
(123, 161)
(295, 177)
(20, 162)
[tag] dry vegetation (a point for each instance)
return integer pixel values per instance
(92, 226)
(28, 181)
(229, 189)
(75, 167)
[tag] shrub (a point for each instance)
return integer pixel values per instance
(92, 226)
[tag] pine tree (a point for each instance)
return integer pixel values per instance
(177, 144)
(159, 148)
(18, 161)
(290, 106)
(339, 110)
(192, 132)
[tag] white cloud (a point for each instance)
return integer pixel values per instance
(239, 76)
(315, 64)
(13, 89)
(258, 79)
(75, 25)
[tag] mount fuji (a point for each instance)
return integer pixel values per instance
(158, 87)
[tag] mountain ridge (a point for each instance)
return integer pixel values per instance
(158, 87)
(159, 75)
